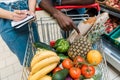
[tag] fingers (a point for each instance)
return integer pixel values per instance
(21, 14)
(28, 12)
(31, 13)
(69, 25)
(65, 24)
(76, 28)
(18, 17)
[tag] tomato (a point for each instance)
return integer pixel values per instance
(87, 71)
(75, 72)
(78, 61)
(52, 43)
(67, 63)
(56, 69)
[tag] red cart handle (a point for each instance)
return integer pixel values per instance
(95, 5)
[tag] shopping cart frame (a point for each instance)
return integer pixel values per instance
(25, 72)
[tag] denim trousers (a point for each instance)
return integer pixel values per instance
(16, 39)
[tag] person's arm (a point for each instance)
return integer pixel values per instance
(32, 5)
(64, 21)
(5, 14)
(15, 16)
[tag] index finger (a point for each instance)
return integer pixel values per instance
(76, 28)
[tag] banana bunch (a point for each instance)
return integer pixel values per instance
(42, 63)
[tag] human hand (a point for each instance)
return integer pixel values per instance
(29, 13)
(18, 15)
(65, 22)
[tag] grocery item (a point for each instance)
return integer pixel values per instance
(88, 71)
(43, 63)
(79, 47)
(113, 3)
(41, 73)
(56, 69)
(94, 57)
(78, 61)
(62, 57)
(43, 46)
(40, 56)
(46, 77)
(75, 72)
(61, 45)
(67, 63)
(84, 27)
(60, 75)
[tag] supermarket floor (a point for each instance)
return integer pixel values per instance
(10, 68)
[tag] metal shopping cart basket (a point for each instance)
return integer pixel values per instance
(49, 30)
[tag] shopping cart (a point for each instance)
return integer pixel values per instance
(49, 30)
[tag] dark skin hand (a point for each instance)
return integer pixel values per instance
(63, 20)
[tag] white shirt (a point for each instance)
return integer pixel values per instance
(7, 1)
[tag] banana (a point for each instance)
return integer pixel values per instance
(42, 55)
(43, 72)
(29, 76)
(45, 62)
(46, 77)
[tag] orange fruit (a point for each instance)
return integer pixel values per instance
(94, 57)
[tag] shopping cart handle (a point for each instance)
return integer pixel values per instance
(95, 5)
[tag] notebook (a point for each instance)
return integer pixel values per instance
(18, 24)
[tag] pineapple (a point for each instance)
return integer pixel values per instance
(79, 47)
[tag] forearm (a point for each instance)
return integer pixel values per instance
(47, 6)
(32, 5)
(64, 21)
(5, 14)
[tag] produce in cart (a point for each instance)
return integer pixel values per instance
(61, 45)
(94, 57)
(59, 65)
(43, 63)
(80, 47)
(79, 69)
(47, 62)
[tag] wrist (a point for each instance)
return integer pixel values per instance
(56, 14)
(32, 11)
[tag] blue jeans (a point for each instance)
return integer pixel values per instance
(16, 39)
